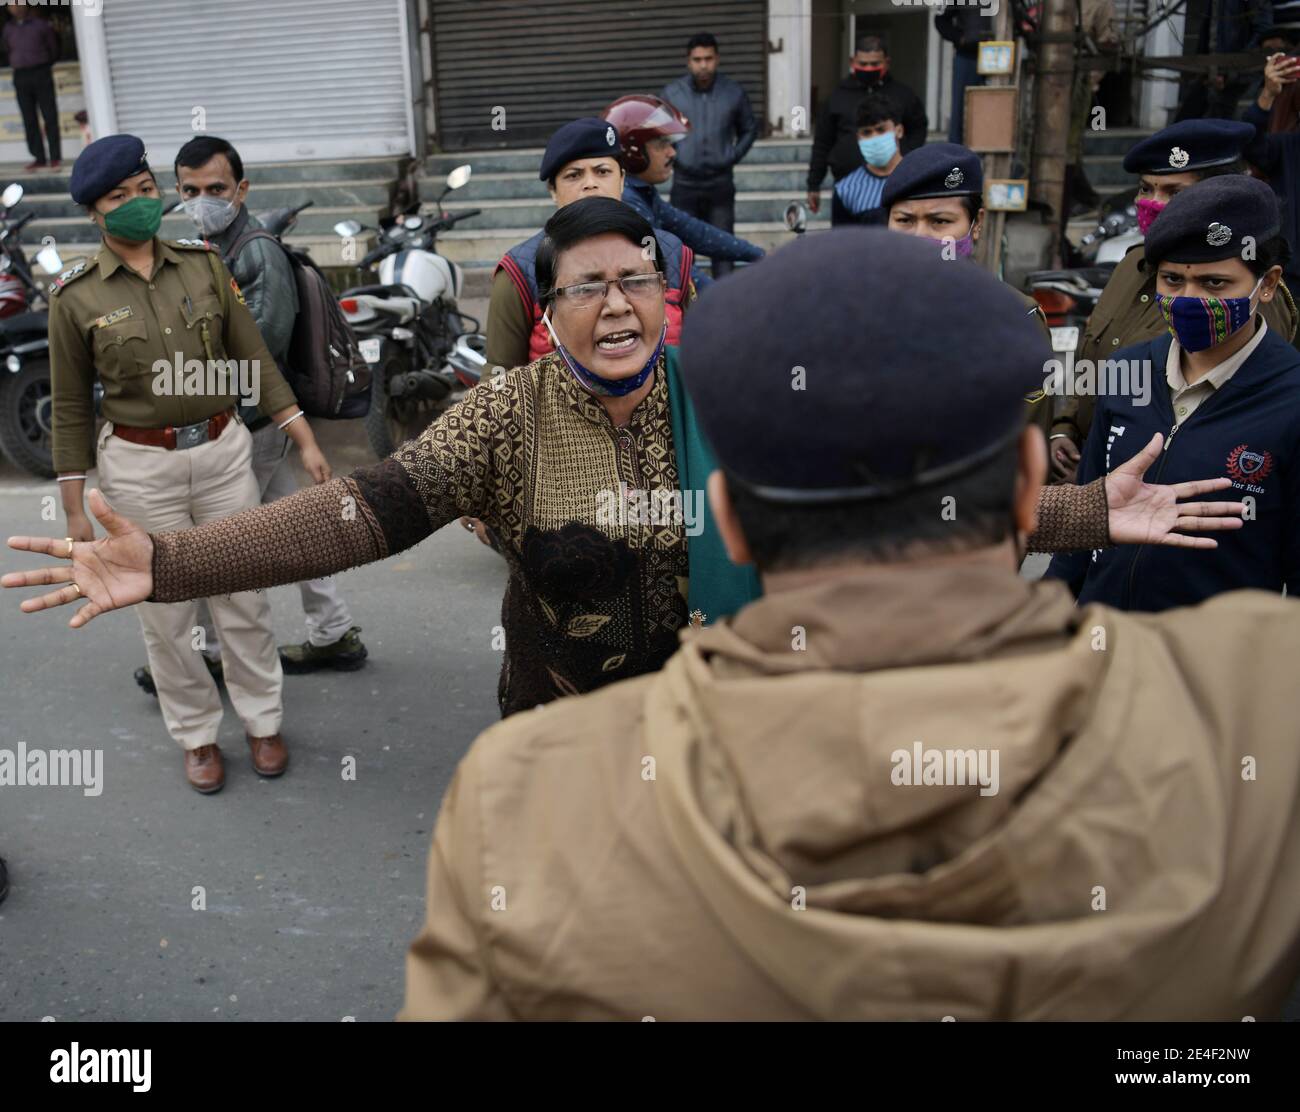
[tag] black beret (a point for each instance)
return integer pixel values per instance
(935, 170)
(586, 138)
(913, 367)
(1190, 145)
(1212, 219)
(104, 164)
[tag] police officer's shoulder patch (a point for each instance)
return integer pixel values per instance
(70, 275)
(192, 244)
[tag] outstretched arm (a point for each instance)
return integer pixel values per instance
(377, 511)
(1122, 508)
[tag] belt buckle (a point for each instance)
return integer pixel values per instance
(191, 436)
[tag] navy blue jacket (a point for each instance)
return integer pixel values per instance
(702, 238)
(723, 129)
(1248, 430)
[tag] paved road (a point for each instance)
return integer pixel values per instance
(314, 884)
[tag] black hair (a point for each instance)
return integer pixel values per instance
(972, 203)
(582, 220)
(869, 44)
(703, 39)
(1274, 251)
(785, 537)
(876, 109)
(201, 150)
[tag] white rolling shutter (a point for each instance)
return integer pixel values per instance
(284, 80)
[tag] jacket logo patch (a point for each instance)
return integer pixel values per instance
(1249, 467)
(114, 317)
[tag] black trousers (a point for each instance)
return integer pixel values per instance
(35, 88)
(714, 204)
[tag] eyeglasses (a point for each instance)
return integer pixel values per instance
(636, 287)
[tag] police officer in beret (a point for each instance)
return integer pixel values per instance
(1225, 393)
(937, 193)
(1166, 163)
(163, 326)
(582, 159)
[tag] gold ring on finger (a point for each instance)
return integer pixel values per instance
(68, 554)
(76, 587)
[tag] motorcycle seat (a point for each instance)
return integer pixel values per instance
(25, 323)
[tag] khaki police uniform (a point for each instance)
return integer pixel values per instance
(1126, 314)
(108, 322)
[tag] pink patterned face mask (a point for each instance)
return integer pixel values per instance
(1148, 210)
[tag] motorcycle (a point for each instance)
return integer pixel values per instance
(1068, 296)
(424, 352)
(26, 402)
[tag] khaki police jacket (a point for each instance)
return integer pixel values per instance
(108, 322)
(750, 833)
(1126, 314)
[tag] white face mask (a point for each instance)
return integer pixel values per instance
(210, 215)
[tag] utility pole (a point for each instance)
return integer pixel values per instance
(1053, 100)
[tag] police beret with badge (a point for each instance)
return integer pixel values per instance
(590, 137)
(1190, 145)
(806, 398)
(104, 164)
(935, 170)
(1219, 218)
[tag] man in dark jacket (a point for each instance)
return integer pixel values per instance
(1224, 389)
(965, 28)
(723, 129)
(835, 141)
(33, 48)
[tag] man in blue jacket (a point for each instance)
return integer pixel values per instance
(1223, 388)
(648, 128)
(723, 129)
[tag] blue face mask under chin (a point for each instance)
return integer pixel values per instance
(605, 387)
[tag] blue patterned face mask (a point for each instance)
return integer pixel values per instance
(605, 387)
(1204, 322)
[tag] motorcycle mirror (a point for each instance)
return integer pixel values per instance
(347, 228)
(14, 193)
(796, 216)
(47, 258)
(459, 176)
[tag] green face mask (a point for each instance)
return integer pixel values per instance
(138, 220)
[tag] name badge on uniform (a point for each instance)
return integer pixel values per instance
(115, 317)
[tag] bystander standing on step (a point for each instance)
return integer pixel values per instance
(33, 47)
(723, 128)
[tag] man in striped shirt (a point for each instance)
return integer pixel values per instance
(859, 193)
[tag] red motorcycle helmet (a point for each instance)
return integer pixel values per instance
(13, 295)
(638, 118)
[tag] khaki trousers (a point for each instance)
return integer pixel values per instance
(162, 490)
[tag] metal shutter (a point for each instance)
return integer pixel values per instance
(282, 79)
(549, 61)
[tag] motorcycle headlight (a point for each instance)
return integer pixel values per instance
(14, 364)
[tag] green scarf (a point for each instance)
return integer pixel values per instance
(718, 588)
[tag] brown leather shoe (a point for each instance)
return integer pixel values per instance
(204, 769)
(270, 757)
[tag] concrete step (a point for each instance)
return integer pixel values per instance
(1112, 141)
(528, 159)
(262, 175)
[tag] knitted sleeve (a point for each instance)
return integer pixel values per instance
(1072, 518)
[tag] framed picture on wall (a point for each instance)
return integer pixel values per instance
(996, 59)
(1006, 194)
(990, 123)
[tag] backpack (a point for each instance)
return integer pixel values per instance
(325, 368)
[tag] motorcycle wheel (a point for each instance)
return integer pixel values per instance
(393, 421)
(26, 414)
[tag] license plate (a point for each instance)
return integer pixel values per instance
(370, 349)
(1065, 338)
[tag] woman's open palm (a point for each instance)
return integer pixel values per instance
(114, 571)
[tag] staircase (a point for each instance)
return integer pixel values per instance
(1103, 160)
